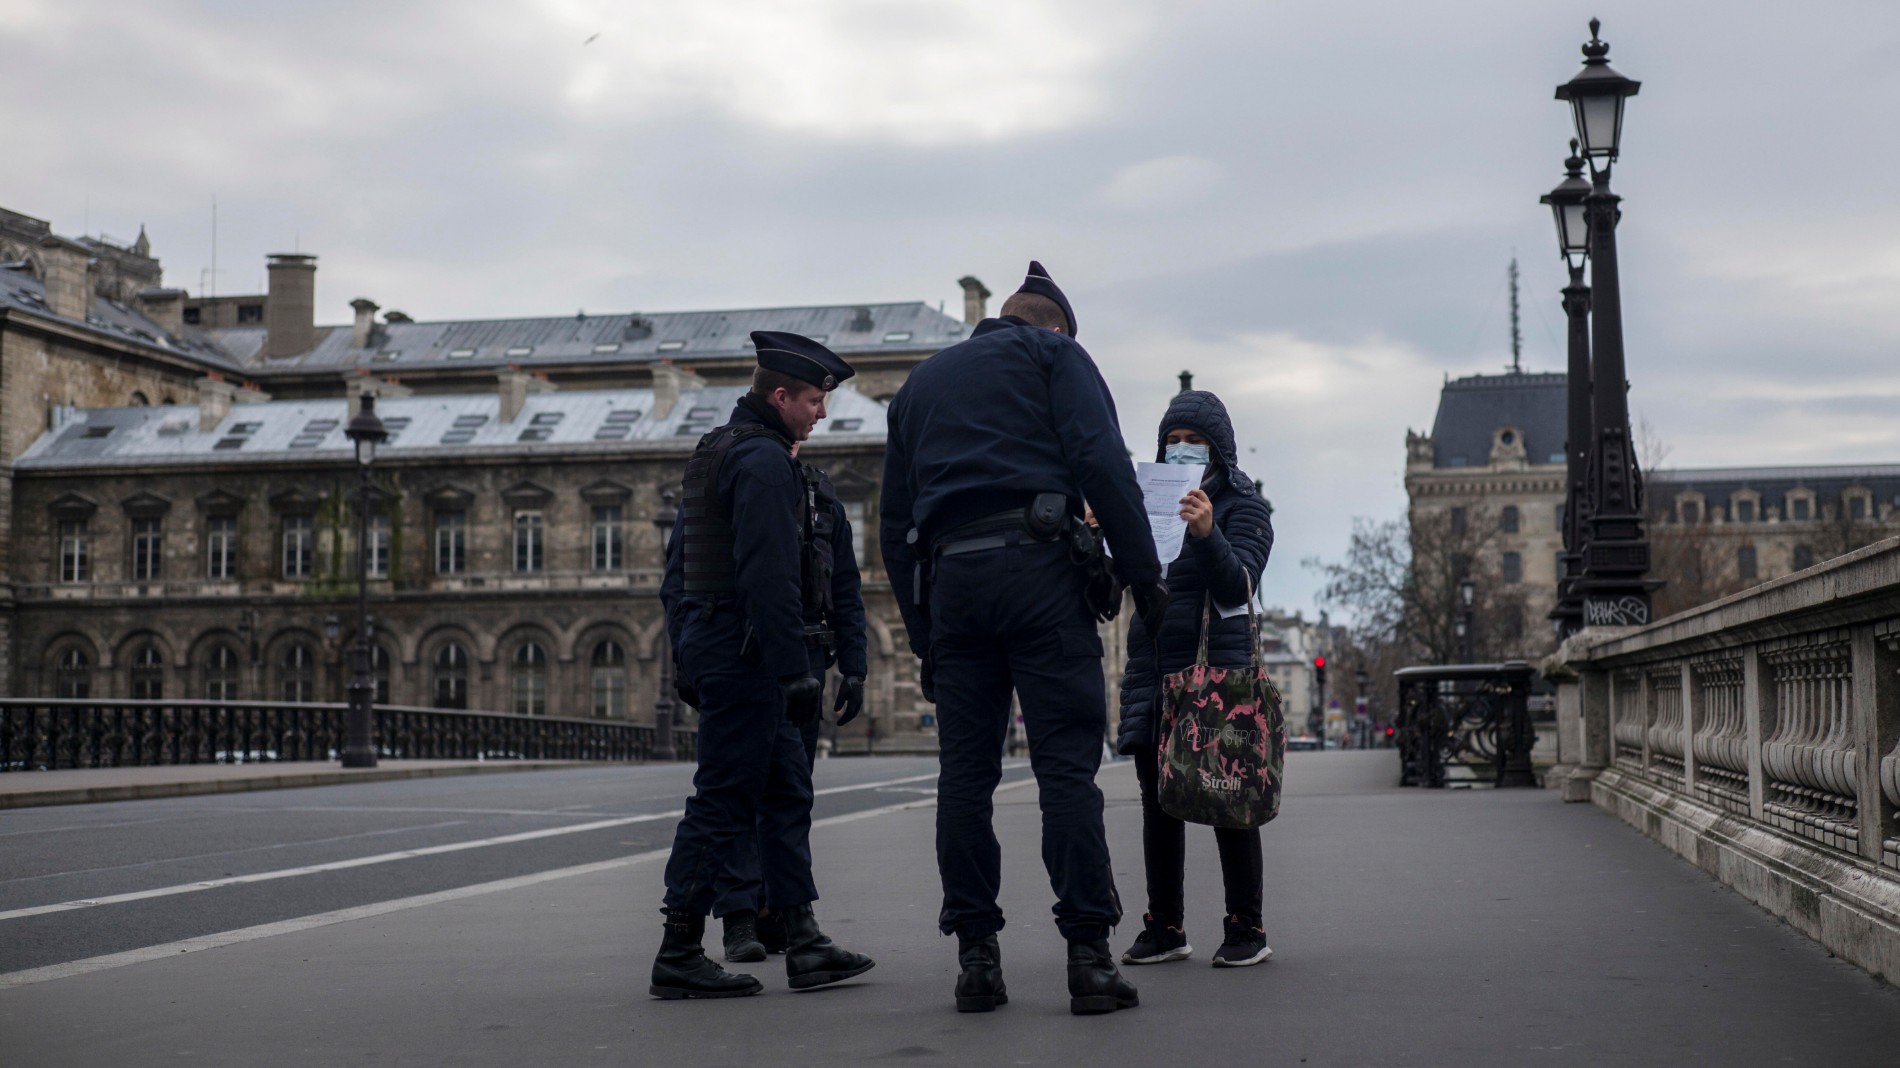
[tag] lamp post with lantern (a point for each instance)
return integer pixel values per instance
(1614, 584)
(366, 432)
(1467, 600)
(1568, 206)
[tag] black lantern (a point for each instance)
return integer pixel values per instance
(366, 430)
(1567, 206)
(1596, 98)
(1467, 591)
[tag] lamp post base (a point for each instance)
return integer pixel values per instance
(359, 758)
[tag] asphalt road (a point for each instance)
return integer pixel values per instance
(155, 855)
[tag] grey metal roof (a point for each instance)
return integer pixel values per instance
(1470, 411)
(421, 427)
(1717, 484)
(118, 322)
(906, 327)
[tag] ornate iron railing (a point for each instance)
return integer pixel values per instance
(1472, 715)
(45, 733)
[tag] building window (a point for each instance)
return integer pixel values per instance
(221, 674)
(1856, 507)
(528, 544)
(1513, 567)
(250, 313)
(610, 680)
(1507, 519)
(854, 514)
(1803, 557)
(1560, 517)
(1800, 509)
(379, 672)
(74, 559)
(1460, 566)
(1744, 511)
(451, 677)
(298, 674)
(451, 543)
(1745, 562)
(1457, 520)
(377, 554)
(530, 679)
(72, 679)
(148, 546)
(148, 675)
(220, 547)
(1691, 512)
(607, 538)
(299, 546)
(193, 316)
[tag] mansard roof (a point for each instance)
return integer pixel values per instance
(1470, 411)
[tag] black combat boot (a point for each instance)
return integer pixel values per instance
(771, 932)
(980, 986)
(811, 959)
(742, 937)
(1095, 986)
(682, 969)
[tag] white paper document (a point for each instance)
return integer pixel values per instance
(1162, 487)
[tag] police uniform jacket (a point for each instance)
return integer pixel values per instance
(847, 598)
(986, 425)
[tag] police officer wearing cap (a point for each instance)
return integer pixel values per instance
(995, 445)
(741, 569)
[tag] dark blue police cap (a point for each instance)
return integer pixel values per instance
(800, 357)
(1039, 283)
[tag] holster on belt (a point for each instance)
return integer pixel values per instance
(1101, 588)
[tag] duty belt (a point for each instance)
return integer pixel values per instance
(820, 635)
(990, 532)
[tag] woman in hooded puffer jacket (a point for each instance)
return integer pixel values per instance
(1230, 534)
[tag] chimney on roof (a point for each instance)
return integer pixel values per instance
(290, 307)
(68, 288)
(166, 308)
(975, 299)
(365, 326)
(214, 402)
(249, 393)
(860, 321)
(515, 387)
(668, 382)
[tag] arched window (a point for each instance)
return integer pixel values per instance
(379, 672)
(72, 678)
(531, 680)
(139, 399)
(610, 680)
(221, 674)
(451, 677)
(148, 674)
(298, 674)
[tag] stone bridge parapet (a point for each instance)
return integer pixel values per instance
(1758, 737)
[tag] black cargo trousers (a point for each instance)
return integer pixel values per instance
(1014, 619)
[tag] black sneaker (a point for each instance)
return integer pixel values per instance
(1243, 945)
(1158, 943)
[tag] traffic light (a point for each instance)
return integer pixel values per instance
(1319, 672)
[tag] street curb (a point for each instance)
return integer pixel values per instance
(89, 795)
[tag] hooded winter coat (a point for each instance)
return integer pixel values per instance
(1226, 563)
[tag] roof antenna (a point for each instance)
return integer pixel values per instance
(1517, 335)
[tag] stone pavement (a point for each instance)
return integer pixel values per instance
(78, 786)
(1409, 928)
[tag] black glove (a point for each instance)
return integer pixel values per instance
(803, 695)
(850, 700)
(927, 681)
(1151, 602)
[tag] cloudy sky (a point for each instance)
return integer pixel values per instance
(1311, 205)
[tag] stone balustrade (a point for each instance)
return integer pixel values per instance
(1759, 737)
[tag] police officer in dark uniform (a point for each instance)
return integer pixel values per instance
(746, 581)
(995, 445)
(834, 633)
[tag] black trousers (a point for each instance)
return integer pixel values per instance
(1013, 620)
(1164, 848)
(741, 880)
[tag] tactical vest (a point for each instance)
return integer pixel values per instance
(820, 528)
(705, 528)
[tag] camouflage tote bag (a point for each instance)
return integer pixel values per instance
(1223, 739)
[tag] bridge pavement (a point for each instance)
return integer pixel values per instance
(1410, 928)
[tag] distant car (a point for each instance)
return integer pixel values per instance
(1302, 743)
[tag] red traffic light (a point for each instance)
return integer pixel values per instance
(1390, 731)
(1319, 661)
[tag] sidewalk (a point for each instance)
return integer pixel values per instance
(1409, 927)
(78, 786)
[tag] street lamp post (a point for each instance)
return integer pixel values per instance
(1467, 598)
(366, 432)
(1568, 205)
(665, 707)
(1614, 583)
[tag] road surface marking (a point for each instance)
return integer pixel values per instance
(70, 969)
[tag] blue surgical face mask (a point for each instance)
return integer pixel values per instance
(1182, 452)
